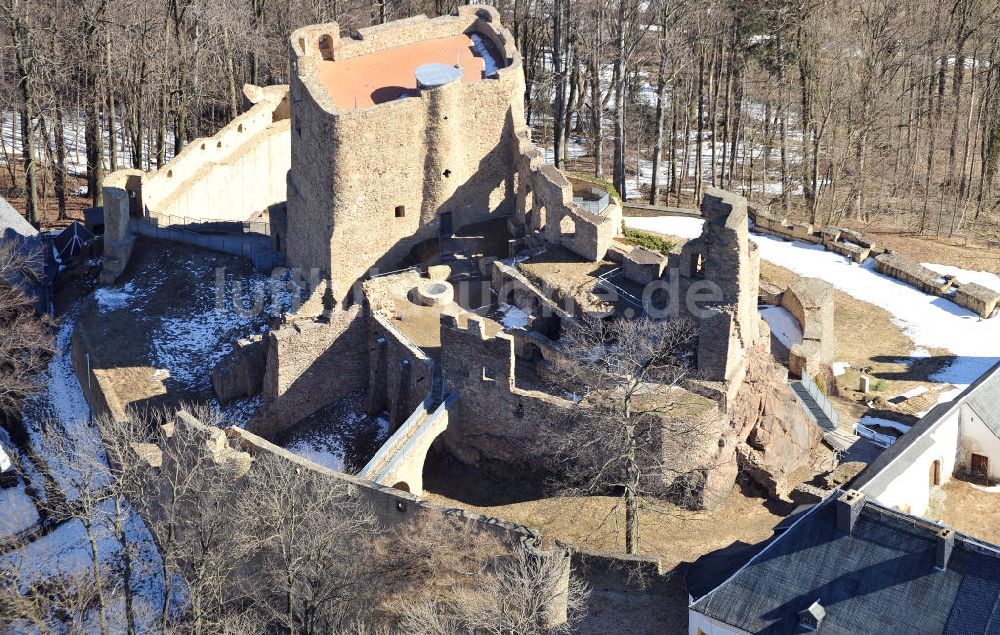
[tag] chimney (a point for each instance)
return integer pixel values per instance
(812, 617)
(849, 505)
(945, 539)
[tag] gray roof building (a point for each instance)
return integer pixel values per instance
(852, 566)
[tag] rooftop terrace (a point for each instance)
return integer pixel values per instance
(390, 74)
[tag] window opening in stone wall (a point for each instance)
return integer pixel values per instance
(567, 227)
(400, 211)
(489, 374)
(697, 266)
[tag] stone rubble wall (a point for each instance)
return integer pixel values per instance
(514, 289)
(859, 248)
(544, 203)
(98, 390)
(400, 374)
(724, 260)
(311, 364)
(241, 372)
(122, 199)
(811, 302)
(495, 425)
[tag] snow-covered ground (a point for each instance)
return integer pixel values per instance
(74, 131)
(679, 226)
(870, 421)
(340, 439)
(513, 317)
(17, 511)
(783, 325)
(61, 412)
(984, 278)
(929, 321)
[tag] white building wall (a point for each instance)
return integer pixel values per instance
(977, 438)
(700, 624)
(910, 491)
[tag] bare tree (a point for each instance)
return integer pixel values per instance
(443, 575)
(632, 432)
(26, 342)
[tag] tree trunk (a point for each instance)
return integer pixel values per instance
(661, 95)
(24, 67)
(620, 78)
(559, 79)
(60, 167)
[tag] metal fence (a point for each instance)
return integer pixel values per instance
(254, 247)
(820, 399)
(212, 225)
(604, 281)
(883, 440)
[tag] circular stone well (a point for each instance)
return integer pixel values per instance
(434, 293)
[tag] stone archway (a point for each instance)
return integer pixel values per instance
(402, 486)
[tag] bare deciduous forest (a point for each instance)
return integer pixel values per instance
(880, 111)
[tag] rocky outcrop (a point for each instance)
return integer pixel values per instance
(777, 436)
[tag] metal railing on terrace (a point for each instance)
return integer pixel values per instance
(211, 225)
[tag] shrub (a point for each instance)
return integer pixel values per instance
(648, 240)
(880, 385)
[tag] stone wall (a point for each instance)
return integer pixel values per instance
(494, 424)
(811, 302)
(122, 200)
(859, 248)
(239, 171)
(544, 204)
(310, 365)
(722, 261)
(241, 372)
(368, 184)
(237, 452)
(400, 374)
(513, 288)
(100, 394)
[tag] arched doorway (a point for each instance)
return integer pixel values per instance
(401, 486)
(935, 475)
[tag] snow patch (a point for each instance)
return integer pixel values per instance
(513, 317)
(930, 322)
(783, 325)
(113, 298)
(680, 226)
(967, 276)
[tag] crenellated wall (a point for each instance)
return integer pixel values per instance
(495, 423)
(544, 204)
